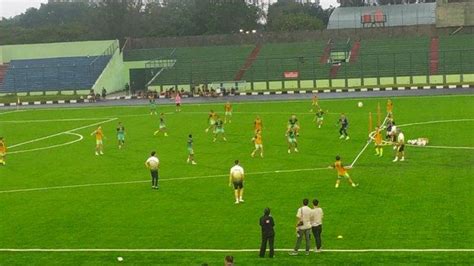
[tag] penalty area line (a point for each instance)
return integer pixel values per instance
(146, 181)
(156, 250)
(61, 133)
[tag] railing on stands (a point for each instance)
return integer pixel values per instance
(95, 65)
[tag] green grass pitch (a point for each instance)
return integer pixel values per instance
(422, 203)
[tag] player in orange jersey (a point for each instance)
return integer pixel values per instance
(3, 151)
(314, 103)
(389, 107)
(342, 172)
(211, 120)
(378, 142)
(258, 124)
(99, 137)
(257, 140)
(228, 112)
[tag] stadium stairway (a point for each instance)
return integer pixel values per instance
(355, 52)
(434, 55)
(3, 73)
(334, 69)
(248, 62)
(325, 56)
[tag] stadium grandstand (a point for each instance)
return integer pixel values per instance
(363, 46)
(54, 67)
(130, 129)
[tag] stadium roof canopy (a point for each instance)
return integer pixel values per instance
(394, 15)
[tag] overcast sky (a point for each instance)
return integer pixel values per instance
(9, 8)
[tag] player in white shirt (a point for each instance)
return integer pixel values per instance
(236, 178)
(400, 147)
(303, 227)
(153, 163)
(317, 224)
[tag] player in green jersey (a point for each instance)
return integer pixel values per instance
(291, 135)
(190, 150)
(162, 126)
(219, 129)
(152, 102)
(120, 135)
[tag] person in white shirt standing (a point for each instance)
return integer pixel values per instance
(317, 224)
(153, 163)
(236, 178)
(303, 227)
(400, 146)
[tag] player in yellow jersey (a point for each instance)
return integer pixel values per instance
(389, 107)
(228, 112)
(342, 172)
(257, 140)
(211, 120)
(3, 151)
(99, 137)
(314, 103)
(378, 142)
(258, 124)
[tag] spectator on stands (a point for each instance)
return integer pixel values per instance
(127, 89)
(104, 93)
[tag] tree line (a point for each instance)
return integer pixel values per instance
(118, 19)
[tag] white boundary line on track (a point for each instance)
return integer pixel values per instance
(80, 137)
(161, 180)
(60, 133)
(155, 250)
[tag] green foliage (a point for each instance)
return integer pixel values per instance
(120, 19)
(288, 15)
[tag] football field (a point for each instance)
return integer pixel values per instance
(62, 204)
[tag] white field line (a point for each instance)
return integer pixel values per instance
(161, 180)
(9, 112)
(60, 133)
(53, 120)
(139, 115)
(436, 122)
(273, 101)
(442, 147)
(366, 145)
(80, 137)
(201, 250)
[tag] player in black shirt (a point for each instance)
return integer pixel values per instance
(268, 234)
(344, 123)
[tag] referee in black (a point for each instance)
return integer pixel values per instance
(268, 234)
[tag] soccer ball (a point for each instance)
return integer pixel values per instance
(360, 104)
(119, 258)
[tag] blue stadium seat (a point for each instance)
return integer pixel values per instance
(53, 74)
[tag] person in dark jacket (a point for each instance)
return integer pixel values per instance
(268, 234)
